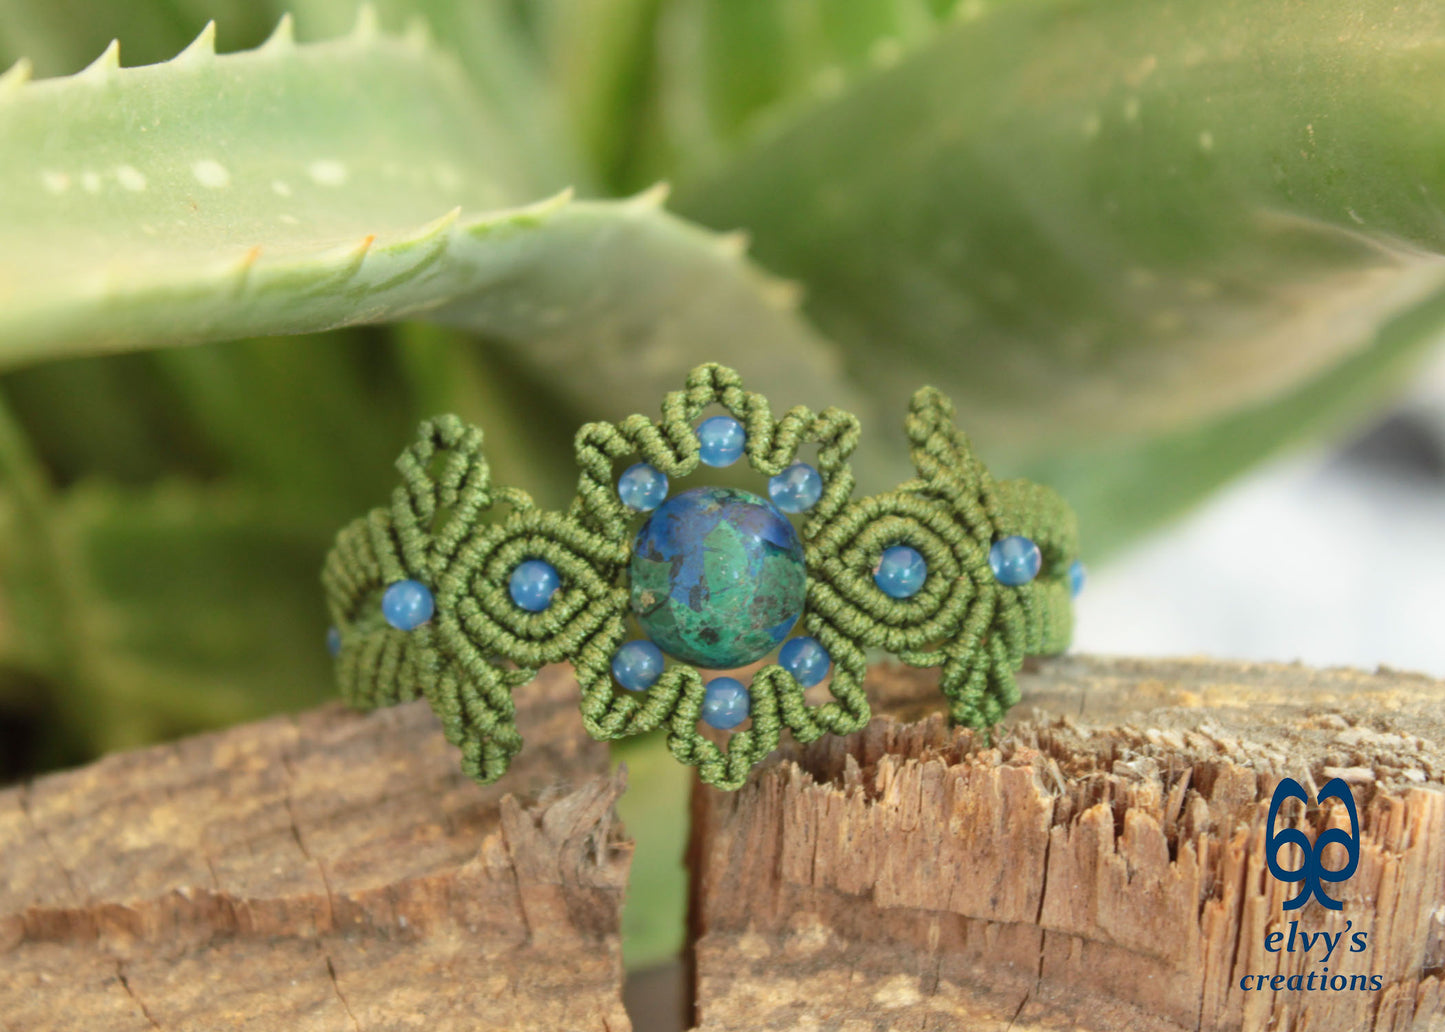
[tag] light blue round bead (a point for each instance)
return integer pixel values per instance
(806, 660)
(533, 583)
(407, 604)
(1015, 560)
(642, 487)
(725, 704)
(637, 665)
(333, 641)
(796, 489)
(901, 571)
(721, 439)
(1077, 576)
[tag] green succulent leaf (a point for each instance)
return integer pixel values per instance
(299, 188)
(729, 66)
(486, 37)
(189, 607)
(147, 609)
(198, 199)
(490, 40)
(1103, 224)
(1144, 481)
(59, 38)
(596, 55)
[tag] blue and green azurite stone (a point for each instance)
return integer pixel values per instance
(717, 577)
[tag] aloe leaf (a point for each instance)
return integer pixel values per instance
(111, 597)
(315, 422)
(192, 607)
(1117, 486)
(751, 57)
(85, 417)
(597, 55)
(35, 633)
(61, 37)
(501, 62)
(299, 188)
(269, 413)
(213, 197)
(310, 422)
(1097, 223)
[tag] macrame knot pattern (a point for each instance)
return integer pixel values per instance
(962, 619)
(450, 529)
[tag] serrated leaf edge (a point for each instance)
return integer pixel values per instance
(103, 67)
(16, 76)
(365, 32)
(411, 253)
(282, 38)
(202, 48)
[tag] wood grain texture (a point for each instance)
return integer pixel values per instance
(334, 871)
(1098, 865)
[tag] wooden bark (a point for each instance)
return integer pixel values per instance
(330, 872)
(1099, 866)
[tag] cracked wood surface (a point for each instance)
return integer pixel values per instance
(1099, 866)
(334, 872)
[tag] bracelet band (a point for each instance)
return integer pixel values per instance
(460, 590)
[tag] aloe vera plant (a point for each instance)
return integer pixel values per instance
(1143, 243)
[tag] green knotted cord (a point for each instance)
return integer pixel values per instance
(451, 529)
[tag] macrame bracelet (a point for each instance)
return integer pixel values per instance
(461, 590)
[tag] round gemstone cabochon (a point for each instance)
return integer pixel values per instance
(717, 577)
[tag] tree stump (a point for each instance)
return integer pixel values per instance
(332, 872)
(1099, 864)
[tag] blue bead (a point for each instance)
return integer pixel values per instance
(533, 583)
(806, 660)
(1077, 575)
(725, 704)
(407, 605)
(333, 641)
(900, 572)
(642, 487)
(637, 665)
(1015, 560)
(722, 439)
(796, 489)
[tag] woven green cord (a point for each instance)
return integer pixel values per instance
(449, 528)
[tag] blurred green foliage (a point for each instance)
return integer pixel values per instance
(1143, 243)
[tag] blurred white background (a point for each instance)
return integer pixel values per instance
(1330, 557)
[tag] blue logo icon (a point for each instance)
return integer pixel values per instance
(1312, 870)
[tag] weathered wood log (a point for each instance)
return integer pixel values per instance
(331, 872)
(1098, 865)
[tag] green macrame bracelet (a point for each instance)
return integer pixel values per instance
(460, 537)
